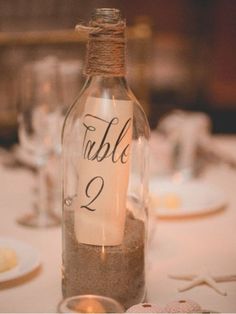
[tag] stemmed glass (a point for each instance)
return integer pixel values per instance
(71, 81)
(40, 121)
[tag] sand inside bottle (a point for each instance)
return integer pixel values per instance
(113, 271)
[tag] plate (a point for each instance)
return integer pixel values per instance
(169, 199)
(28, 259)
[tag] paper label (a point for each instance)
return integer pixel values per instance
(106, 135)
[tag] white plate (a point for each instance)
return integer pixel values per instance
(28, 259)
(194, 198)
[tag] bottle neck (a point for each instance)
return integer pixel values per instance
(107, 87)
(106, 50)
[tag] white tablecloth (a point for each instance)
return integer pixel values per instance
(184, 246)
(178, 246)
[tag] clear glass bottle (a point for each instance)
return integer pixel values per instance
(105, 176)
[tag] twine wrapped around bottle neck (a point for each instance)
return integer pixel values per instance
(105, 48)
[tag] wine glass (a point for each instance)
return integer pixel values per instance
(40, 122)
(71, 81)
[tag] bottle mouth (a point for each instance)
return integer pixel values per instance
(106, 15)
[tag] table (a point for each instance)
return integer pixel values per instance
(185, 245)
(177, 246)
(42, 290)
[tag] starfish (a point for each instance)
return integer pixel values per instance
(203, 278)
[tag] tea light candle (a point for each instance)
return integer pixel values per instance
(90, 304)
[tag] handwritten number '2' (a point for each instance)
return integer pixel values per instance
(95, 179)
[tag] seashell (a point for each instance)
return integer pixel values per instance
(182, 306)
(145, 308)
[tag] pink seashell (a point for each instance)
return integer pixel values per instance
(145, 308)
(182, 306)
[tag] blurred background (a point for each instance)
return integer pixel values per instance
(181, 53)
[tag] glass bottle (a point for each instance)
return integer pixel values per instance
(105, 175)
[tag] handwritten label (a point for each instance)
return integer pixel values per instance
(106, 135)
